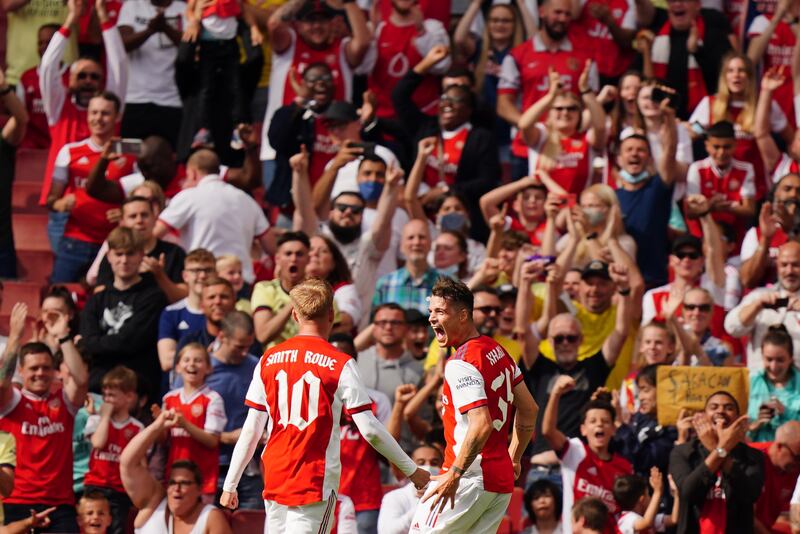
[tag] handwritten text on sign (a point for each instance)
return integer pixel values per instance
(689, 387)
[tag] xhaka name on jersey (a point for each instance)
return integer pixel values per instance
(43, 427)
(495, 355)
(310, 358)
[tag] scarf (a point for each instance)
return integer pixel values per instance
(672, 61)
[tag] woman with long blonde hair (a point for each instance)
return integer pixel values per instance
(735, 101)
(558, 146)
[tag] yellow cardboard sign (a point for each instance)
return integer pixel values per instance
(689, 387)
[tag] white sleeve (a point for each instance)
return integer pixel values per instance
(733, 287)
(20, 92)
(383, 442)
(116, 65)
(347, 516)
(245, 447)
(684, 152)
(396, 513)
(371, 55)
(749, 244)
(260, 224)
(748, 189)
(94, 270)
(435, 34)
(61, 165)
(256, 396)
(574, 454)
(693, 180)
(648, 308)
(777, 118)
(215, 415)
(179, 211)
(91, 425)
(701, 113)
(50, 83)
(16, 396)
(796, 494)
(352, 390)
(130, 182)
(733, 323)
(383, 406)
(348, 301)
(127, 15)
(757, 27)
(629, 20)
(509, 74)
(467, 386)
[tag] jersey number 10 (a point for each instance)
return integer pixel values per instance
(292, 415)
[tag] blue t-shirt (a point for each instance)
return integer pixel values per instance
(177, 319)
(231, 382)
(646, 213)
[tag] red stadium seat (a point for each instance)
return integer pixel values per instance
(30, 165)
(25, 197)
(505, 526)
(515, 509)
(27, 292)
(34, 265)
(250, 521)
(30, 231)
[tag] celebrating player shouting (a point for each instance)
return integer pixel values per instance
(300, 387)
(481, 382)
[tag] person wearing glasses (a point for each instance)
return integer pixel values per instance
(697, 312)
(179, 507)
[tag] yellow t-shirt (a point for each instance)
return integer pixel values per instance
(596, 328)
(8, 455)
(23, 28)
(513, 348)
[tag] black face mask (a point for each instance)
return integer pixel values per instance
(345, 234)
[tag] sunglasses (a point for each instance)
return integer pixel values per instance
(570, 109)
(90, 75)
(488, 310)
(327, 78)
(692, 255)
(355, 209)
(452, 100)
(700, 307)
(559, 339)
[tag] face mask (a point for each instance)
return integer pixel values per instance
(594, 216)
(631, 179)
(432, 469)
(371, 191)
(451, 271)
(345, 234)
(454, 221)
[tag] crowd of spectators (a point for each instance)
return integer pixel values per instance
(617, 182)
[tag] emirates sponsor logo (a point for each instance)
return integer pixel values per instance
(600, 492)
(110, 455)
(42, 428)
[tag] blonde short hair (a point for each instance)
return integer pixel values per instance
(312, 298)
(228, 259)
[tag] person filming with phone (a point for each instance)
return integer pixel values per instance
(768, 306)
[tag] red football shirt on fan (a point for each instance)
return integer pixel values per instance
(442, 165)
(612, 61)
(587, 475)
(481, 373)
(737, 182)
(526, 68)
(304, 384)
(205, 409)
(777, 491)
(714, 512)
(778, 53)
(304, 56)
(432, 9)
(104, 463)
(37, 135)
(324, 150)
(536, 235)
(87, 219)
(42, 427)
(573, 164)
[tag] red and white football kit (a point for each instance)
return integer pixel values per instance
(203, 408)
(42, 427)
(786, 165)
(87, 219)
(104, 463)
(361, 472)
(750, 245)
(737, 182)
(37, 135)
(67, 121)
(584, 474)
(432, 9)
(572, 167)
(612, 61)
(395, 50)
(778, 54)
(323, 151)
(526, 69)
(777, 491)
(442, 165)
(655, 300)
(480, 373)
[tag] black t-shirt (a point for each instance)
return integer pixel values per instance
(7, 158)
(173, 264)
(589, 374)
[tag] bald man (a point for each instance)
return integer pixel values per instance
(215, 215)
(781, 468)
(565, 335)
(765, 307)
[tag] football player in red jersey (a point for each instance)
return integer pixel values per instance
(481, 382)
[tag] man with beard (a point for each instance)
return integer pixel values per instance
(766, 307)
(719, 477)
(527, 66)
(66, 107)
(776, 226)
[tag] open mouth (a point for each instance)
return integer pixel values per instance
(293, 269)
(438, 331)
(599, 434)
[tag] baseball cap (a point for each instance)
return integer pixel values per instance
(595, 268)
(506, 290)
(315, 7)
(687, 241)
(340, 111)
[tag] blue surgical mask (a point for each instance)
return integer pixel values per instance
(594, 216)
(455, 221)
(371, 191)
(634, 179)
(451, 271)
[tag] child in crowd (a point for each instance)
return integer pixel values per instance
(229, 267)
(542, 501)
(640, 510)
(110, 430)
(586, 468)
(94, 513)
(589, 516)
(656, 346)
(196, 417)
